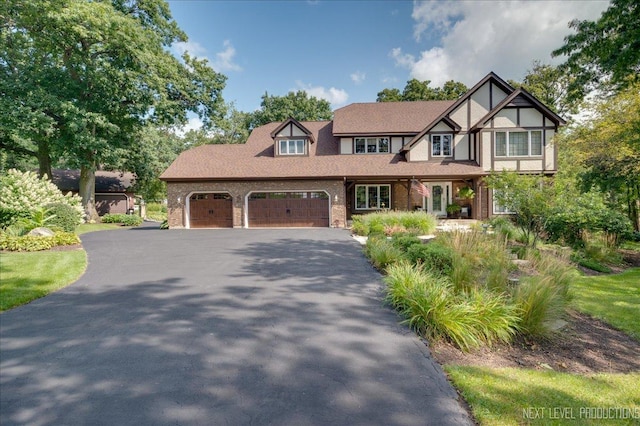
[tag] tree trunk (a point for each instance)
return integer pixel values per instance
(88, 193)
(44, 159)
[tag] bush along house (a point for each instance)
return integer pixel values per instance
(372, 156)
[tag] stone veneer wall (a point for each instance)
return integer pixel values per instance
(181, 191)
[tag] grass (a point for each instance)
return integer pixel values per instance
(614, 299)
(91, 227)
(509, 396)
(29, 276)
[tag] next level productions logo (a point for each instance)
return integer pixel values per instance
(581, 413)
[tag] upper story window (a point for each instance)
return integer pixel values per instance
(519, 144)
(441, 145)
(371, 145)
(291, 147)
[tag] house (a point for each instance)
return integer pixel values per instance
(113, 189)
(307, 174)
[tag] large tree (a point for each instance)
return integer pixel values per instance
(608, 150)
(603, 54)
(299, 105)
(87, 76)
(416, 90)
(550, 85)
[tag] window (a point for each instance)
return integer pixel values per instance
(373, 197)
(518, 144)
(371, 145)
(441, 145)
(292, 147)
(497, 208)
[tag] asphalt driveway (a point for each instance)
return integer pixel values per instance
(217, 327)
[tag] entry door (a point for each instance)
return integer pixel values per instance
(440, 196)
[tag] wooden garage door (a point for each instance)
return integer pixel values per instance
(111, 203)
(294, 209)
(210, 211)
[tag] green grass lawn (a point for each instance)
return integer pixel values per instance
(614, 299)
(511, 396)
(28, 276)
(91, 227)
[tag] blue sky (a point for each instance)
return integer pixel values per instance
(347, 51)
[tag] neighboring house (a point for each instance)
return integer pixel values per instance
(113, 189)
(304, 174)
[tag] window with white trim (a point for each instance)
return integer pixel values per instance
(518, 143)
(441, 145)
(369, 197)
(499, 209)
(291, 147)
(371, 145)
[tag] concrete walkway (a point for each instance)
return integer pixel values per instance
(219, 327)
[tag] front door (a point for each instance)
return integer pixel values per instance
(440, 196)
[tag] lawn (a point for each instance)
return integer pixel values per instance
(91, 227)
(614, 299)
(514, 396)
(28, 276)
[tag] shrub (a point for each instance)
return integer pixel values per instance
(432, 308)
(23, 192)
(382, 222)
(404, 240)
(37, 218)
(504, 227)
(124, 219)
(382, 252)
(601, 247)
(36, 243)
(542, 299)
(434, 256)
(65, 217)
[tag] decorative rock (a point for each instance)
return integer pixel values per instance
(42, 232)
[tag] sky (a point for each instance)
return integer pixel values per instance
(348, 51)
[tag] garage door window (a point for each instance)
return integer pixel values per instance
(373, 197)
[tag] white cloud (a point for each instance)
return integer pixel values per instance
(194, 123)
(481, 36)
(336, 97)
(358, 77)
(223, 61)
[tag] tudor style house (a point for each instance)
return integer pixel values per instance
(307, 174)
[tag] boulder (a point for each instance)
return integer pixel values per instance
(42, 232)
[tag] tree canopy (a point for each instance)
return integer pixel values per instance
(603, 54)
(80, 79)
(416, 90)
(299, 105)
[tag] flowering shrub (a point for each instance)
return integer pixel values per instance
(23, 192)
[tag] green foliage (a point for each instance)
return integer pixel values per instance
(124, 219)
(528, 197)
(503, 226)
(416, 90)
(603, 54)
(164, 224)
(38, 218)
(433, 309)
(453, 208)
(64, 216)
(404, 240)
(382, 252)
(298, 105)
(86, 76)
(22, 193)
(434, 256)
(36, 243)
(542, 298)
(419, 223)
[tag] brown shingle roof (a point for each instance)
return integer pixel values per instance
(386, 118)
(255, 160)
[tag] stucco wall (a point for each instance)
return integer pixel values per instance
(179, 192)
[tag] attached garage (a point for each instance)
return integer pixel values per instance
(211, 210)
(288, 209)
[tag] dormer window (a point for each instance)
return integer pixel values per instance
(441, 145)
(291, 147)
(371, 145)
